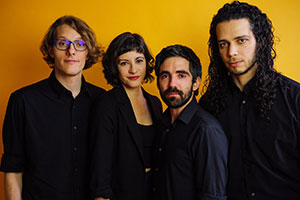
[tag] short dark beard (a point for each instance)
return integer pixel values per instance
(171, 102)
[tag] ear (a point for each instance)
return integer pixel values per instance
(87, 55)
(196, 84)
(51, 52)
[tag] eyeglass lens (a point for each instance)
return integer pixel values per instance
(62, 44)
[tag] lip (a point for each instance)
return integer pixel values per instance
(234, 64)
(133, 78)
(172, 94)
(71, 61)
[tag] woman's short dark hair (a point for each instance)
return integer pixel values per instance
(94, 50)
(124, 43)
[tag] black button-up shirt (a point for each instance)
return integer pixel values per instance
(264, 159)
(45, 137)
(190, 157)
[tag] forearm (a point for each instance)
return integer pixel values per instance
(13, 186)
(100, 198)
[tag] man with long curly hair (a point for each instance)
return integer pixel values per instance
(45, 131)
(258, 107)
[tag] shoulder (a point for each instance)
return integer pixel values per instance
(205, 118)
(153, 99)
(207, 123)
(31, 90)
(107, 100)
(207, 133)
(290, 88)
(294, 84)
(95, 90)
(105, 108)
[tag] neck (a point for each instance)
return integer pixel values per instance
(175, 112)
(72, 83)
(134, 93)
(241, 80)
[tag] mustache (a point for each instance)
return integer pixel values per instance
(173, 90)
(234, 60)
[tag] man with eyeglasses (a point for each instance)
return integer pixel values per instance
(45, 128)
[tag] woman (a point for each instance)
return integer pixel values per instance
(124, 123)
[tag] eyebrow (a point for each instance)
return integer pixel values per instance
(124, 59)
(182, 72)
(164, 72)
(177, 72)
(65, 38)
(236, 38)
(120, 60)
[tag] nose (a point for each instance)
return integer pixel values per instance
(232, 50)
(132, 68)
(71, 50)
(172, 82)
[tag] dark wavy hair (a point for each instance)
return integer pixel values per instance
(266, 77)
(95, 51)
(180, 51)
(124, 43)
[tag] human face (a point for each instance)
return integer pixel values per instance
(237, 46)
(71, 62)
(132, 69)
(175, 82)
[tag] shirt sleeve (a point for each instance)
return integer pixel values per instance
(102, 130)
(211, 152)
(13, 158)
(298, 129)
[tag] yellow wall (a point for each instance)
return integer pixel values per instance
(161, 22)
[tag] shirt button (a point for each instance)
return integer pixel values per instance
(156, 169)
(167, 130)
(153, 189)
(75, 128)
(75, 149)
(252, 194)
(244, 101)
(76, 169)
(159, 149)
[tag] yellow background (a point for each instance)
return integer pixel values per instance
(161, 23)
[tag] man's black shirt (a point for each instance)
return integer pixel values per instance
(190, 157)
(264, 159)
(45, 137)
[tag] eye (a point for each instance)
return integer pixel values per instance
(80, 43)
(123, 63)
(140, 60)
(242, 40)
(222, 45)
(164, 76)
(182, 75)
(62, 43)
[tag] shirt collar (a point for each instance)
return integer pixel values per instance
(185, 116)
(59, 89)
(247, 89)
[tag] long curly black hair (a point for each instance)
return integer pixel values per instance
(216, 83)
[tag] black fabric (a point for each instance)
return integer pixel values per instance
(118, 166)
(148, 135)
(190, 157)
(264, 159)
(45, 137)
